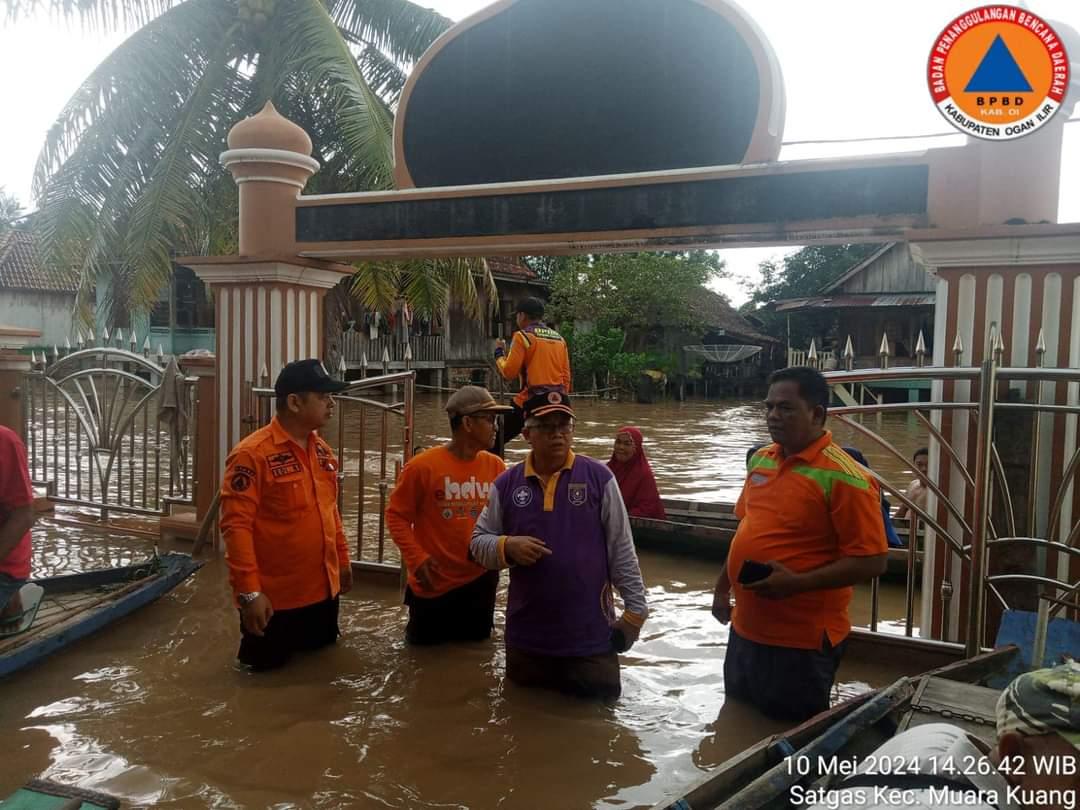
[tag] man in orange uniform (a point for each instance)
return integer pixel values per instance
(431, 515)
(538, 355)
(285, 543)
(812, 515)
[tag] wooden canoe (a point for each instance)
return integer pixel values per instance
(76, 605)
(760, 775)
(704, 530)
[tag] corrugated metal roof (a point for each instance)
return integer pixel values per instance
(916, 299)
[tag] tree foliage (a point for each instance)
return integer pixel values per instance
(10, 210)
(803, 274)
(129, 175)
(635, 292)
(614, 308)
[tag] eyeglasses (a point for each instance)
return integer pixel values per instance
(491, 418)
(551, 428)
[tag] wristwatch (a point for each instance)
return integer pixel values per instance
(247, 598)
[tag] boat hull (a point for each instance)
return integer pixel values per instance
(17, 653)
(705, 531)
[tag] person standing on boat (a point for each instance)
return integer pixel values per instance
(812, 516)
(917, 491)
(635, 476)
(431, 516)
(558, 522)
(538, 356)
(285, 545)
(16, 519)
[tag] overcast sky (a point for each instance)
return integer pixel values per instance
(852, 69)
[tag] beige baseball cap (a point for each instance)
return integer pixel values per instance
(470, 399)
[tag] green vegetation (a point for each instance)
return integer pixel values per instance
(801, 275)
(10, 210)
(616, 310)
(129, 176)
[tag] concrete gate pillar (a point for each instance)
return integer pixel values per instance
(268, 300)
(1028, 288)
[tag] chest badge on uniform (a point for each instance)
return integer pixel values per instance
(577, 493)
(325, 460)
(758, 478)
(284, 463)
(522, 496)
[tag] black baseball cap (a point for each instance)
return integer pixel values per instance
(548, 402)
(533, 307)
(303, 376)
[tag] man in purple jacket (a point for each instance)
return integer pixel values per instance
(558, 522)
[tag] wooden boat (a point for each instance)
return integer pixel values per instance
(704, 530)
(692, 528)
(41, 794)
(761, 775)
(76, 605)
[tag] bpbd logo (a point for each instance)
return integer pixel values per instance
(998, 72)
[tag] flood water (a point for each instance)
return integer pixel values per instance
(152, 709)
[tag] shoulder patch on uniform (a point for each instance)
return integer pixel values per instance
(241, 478)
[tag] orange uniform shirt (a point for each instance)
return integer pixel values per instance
(432, 511)
(540, 358)
(279, 516)
(803, 511)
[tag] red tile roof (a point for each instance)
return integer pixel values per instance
(19, 268)
(512, 269)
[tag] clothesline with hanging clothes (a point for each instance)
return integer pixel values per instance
(724, 353)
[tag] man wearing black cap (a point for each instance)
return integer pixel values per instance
(538, 356)
(285, 544)
(559, 523)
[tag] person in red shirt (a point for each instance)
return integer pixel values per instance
(635, 476)
(809, 529)
(431, 515)
(285, 545)
(16, 519)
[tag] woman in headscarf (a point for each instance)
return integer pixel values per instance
(634, 475)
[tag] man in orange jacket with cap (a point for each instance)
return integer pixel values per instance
(538, 356)
(285, 544)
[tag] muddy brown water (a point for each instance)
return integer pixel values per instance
(152, 709)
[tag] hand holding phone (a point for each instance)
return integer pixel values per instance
(753, 571)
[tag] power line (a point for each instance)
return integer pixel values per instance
(887, 137)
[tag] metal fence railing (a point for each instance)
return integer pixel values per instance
(976, 519)
(372, 439)
(111, 430)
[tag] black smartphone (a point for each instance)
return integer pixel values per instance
(753, 571)
(618, 640)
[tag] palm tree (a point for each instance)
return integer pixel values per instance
(10, 210)
(129, 174)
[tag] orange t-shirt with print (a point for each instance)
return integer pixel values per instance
(432, 511)
(804, 511)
